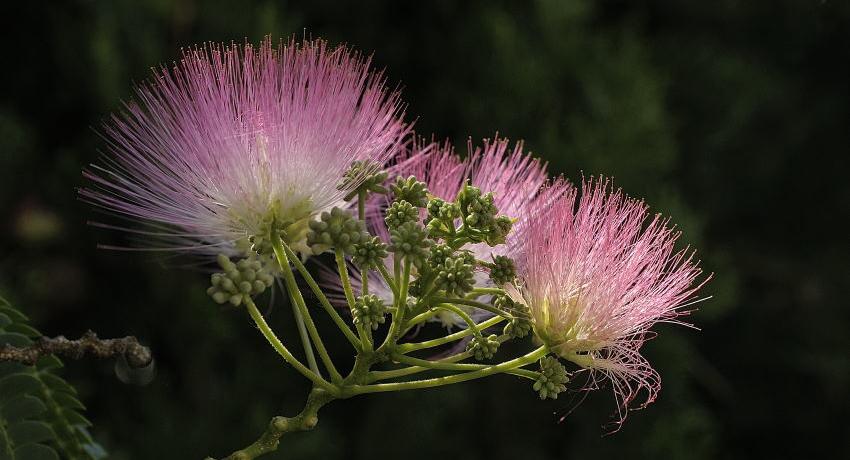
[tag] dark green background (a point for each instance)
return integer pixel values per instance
(730, 116)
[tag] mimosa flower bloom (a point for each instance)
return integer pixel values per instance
(518, 181)
(597, 274)
(233, 139)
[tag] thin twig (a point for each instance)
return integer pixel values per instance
(137, 355)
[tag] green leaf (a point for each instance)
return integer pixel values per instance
(68, 401)
(7, 368)
(38, 409)
(75, 418)
(24, 329)
(14, 315)
(29, 432)
(35, 452)
(49, 362)
(56, 383)
(14, 339)
(22, 407)
(16, 384)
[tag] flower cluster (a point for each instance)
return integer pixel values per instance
(260, 153)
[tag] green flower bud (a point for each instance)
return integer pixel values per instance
(552, 380)
(337, 229)
(410, 190)
(468, 257)
(399, 213)
(410, 241)
(478, 210)
(433, 207)
(439, 254)
(369, 311)
(455, 276)
(483, 347)
(443, 210)
(498, 231)
(502, 270)
(520, 324)
(369, 253)
(365, 176)
(518, 327)
(248, 277)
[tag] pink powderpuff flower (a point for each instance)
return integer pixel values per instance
(235, 137)
(597, 275)
(519, 183)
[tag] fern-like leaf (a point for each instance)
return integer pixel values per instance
(40, 416)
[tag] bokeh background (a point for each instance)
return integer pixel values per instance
(732, 117)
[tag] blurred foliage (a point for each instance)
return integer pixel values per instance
(731, 117)
(39, 411)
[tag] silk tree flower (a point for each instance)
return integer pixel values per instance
(597, 274)
(234, 138)
(519, 183)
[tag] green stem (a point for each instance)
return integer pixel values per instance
(472, 303)
(282, 350)
(396, 373)
(463, 315)
(292, 287)
(387, 278)
(361, 214)
(349, 296)
(422, 317)
(323, 299)
(270, 439)
(400, 304)
(305, 338)
(487, 290)
(451, 379)
(409, 347)
(361, 205)
(438, 365)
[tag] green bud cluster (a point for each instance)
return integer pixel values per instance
(400, 213)
(410, 240)
(552, 380)
(479, 215)
(483, 347)
(519, 324)
(502, 270)
(367, 174)
(479, 210)
(369, 311)
(443, 210)
(247, 277)
(369, 253)
(498, 231)
(518, 327)
(439, 254)
(455, 275)
(410, 190)
(507, 304)
(337, 229)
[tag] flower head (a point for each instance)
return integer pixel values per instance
(519, 183)
(596, 276)
(236, 141)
